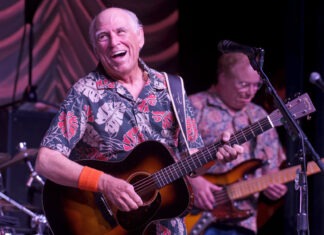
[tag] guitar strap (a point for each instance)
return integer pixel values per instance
(177, 94)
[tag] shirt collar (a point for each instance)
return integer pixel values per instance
(156, 79)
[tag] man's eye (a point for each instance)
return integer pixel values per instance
(102, 37)
(121, 31)
(244, 84)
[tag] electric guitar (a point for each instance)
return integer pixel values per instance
(157, 178)
(224, 211)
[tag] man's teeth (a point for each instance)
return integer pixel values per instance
(119, 53)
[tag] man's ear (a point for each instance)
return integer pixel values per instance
(221, 78)
(141, 38)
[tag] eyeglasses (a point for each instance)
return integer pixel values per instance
(245, 85)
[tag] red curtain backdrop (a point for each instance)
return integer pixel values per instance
(60, 52)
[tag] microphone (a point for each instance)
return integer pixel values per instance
(316, 79)
(227, 46)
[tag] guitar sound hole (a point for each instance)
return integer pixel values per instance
(144, 187)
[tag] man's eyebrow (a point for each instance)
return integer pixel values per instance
(97, 33)
(100, 31)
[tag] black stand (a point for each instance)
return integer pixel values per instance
(38, 220)
(30, 94)
(291, 124)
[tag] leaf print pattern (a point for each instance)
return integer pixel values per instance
(165, 117)
(110, 116)
(88, 113)
(68, 124)
(92, 137)
(143, 123)
(144, 105)
(87, 87)
(132, 138)
(105, 83)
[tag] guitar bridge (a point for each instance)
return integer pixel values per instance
(105, 208)
(104, 202)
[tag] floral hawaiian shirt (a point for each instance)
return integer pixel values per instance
(100, 119)
(213, 118)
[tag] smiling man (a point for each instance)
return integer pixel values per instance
(106, 115)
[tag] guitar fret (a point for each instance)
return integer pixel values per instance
(237, 142)
(242, 139)
(182, 167)
(242, 131)
(200, 163)
(170, 174)
(174, 172)
(251, 129)
(209, 154)
(249, 135)
(257, 130)
(159, 178)
(194, 164)
(260, 125)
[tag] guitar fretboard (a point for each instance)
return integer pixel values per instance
(245, 188)
(208, 154)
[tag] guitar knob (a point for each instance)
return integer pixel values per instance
(194, 232)
(208, 215)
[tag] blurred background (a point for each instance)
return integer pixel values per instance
(44, 49)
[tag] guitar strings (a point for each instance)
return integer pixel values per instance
(148, 183)
(156, 181)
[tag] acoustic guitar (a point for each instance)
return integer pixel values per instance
(233, 189)
(157, 178)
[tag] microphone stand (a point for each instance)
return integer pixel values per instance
(290, 122)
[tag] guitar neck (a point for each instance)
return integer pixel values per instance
(299, 107)
(245, 188)
(189, 164)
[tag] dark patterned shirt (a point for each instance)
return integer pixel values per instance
(100, 119)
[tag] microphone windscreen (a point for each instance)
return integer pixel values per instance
(314, 77)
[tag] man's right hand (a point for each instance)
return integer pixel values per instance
(119, 192)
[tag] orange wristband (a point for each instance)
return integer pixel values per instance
(89, 178)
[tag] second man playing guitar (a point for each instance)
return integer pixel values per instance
(227, 106)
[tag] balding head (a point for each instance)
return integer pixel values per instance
(111, 12)
(229, 62)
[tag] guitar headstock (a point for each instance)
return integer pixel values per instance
(298, 107)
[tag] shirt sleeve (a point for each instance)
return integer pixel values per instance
(68, 125)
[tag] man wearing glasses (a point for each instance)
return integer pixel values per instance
(227, 105)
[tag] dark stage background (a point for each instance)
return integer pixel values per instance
(44, 48)
(291, 34)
